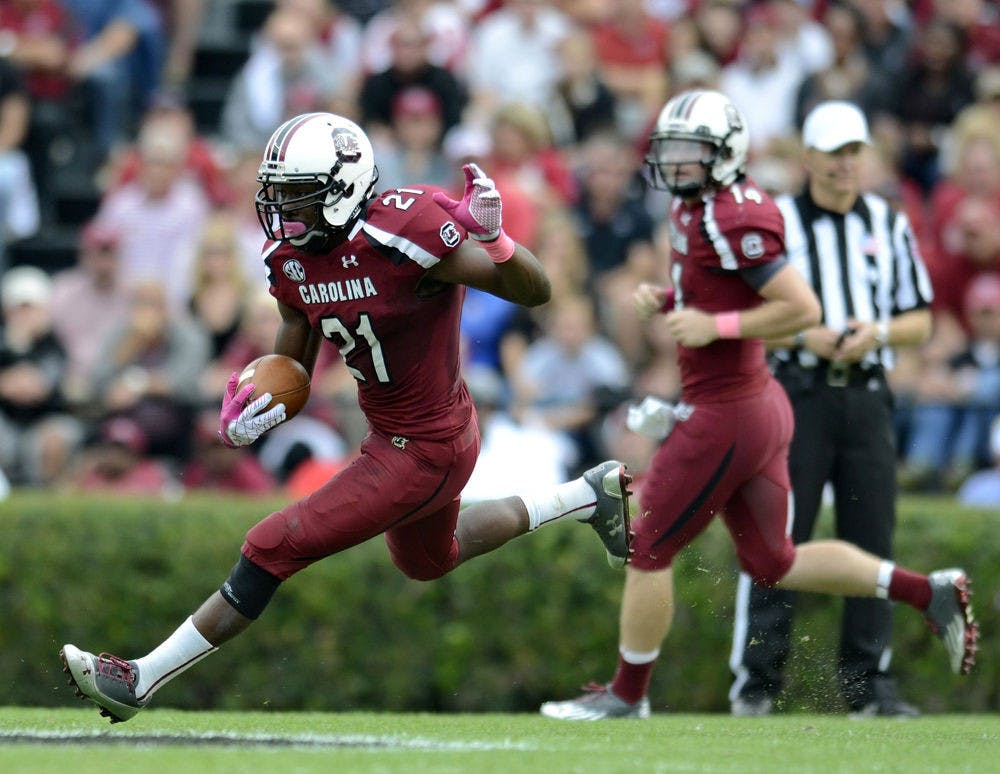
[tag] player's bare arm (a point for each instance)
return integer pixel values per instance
(789, 305)
(296, 338)
(521, 279)
(489, 260)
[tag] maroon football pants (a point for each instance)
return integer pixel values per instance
(728, 459)
(404, 488)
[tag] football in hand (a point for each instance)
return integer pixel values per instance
(283, 377)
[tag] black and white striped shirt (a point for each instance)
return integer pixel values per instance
(864, 264)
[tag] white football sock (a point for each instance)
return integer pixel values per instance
(575, 499)
(180, 650)
(885, 570)
(637, 657)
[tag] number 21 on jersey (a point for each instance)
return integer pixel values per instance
(335, 326)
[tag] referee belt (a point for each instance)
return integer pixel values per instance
(831, 373)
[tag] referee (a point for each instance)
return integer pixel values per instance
(861, 258)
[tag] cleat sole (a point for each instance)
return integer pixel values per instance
(970, 638)
(626, 479)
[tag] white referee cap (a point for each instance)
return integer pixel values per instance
(834, 124)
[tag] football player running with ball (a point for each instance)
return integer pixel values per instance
(727, 452)
(383, 277)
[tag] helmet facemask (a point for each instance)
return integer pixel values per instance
(668, 156)
(300, 215)
(699, 127)
(317, 176)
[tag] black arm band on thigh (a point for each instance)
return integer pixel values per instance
(249, 588)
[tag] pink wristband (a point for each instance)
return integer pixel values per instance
(668, 301)
(500, 249)
(727, 325)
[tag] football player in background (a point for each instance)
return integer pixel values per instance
(727, 451)
(383, 277)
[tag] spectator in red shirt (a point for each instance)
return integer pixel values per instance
(168, 113)
(976, 231)
(980, 22)
(37, 38)
(633, 49)
(520, 212)
(523, 152)
(975, 171)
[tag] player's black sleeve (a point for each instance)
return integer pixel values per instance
(758, 275)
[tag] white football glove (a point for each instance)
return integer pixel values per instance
(249, 425)
(655, 418)
(240, 424)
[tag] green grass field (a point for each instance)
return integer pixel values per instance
(77, 741)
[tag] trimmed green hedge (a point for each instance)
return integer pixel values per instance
(532, 621)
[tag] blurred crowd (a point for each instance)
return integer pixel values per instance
(112, 370)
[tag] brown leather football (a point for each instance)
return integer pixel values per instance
(283, 377)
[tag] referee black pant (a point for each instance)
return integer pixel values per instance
(843, 434)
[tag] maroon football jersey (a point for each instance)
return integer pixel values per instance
(712, 239)
(402, 346)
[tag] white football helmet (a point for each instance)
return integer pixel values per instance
(330, 162)
(701, 127)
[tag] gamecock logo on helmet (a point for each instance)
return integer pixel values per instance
(346, 145)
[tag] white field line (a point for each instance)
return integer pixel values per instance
(234, 739)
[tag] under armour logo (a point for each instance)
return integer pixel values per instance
(399, 441)
(349, 260)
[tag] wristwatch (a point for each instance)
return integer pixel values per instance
(882, 333)
(800, 340)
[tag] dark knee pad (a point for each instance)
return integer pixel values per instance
(249, 588)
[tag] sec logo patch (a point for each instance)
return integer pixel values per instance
(752, 245)
(294, 271)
